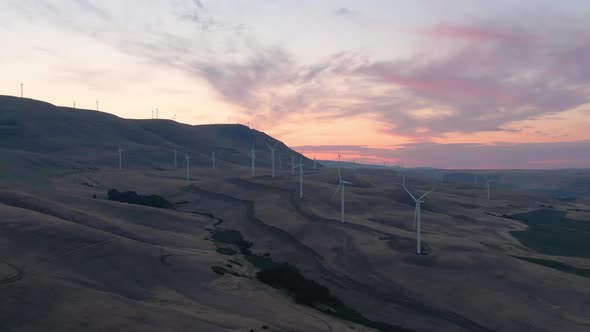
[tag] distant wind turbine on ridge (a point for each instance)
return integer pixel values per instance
(175, 159)
(253, 160)
(21, 89)
(300, 166)
(188, 167)
(417, 216)
(341, 185)
(272, 156)
(488, 183)
(120, 158)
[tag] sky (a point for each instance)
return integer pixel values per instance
(435, 83)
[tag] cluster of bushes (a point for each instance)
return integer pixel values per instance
(132, 197)
(305, 291)
(286, 277)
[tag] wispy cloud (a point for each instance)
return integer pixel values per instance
(462, 77)
(343, 11)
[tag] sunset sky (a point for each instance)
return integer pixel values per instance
(451, 84)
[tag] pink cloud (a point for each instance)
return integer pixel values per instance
(451, 87)
(473, 33)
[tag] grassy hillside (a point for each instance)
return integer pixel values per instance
(91, 138)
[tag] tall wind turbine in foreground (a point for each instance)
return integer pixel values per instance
(272, 156)
(300, 166)
(253, 159)
(120, 158)
(417, 219)
(341, 185)
(188, 167)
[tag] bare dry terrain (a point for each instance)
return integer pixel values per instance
(73, 262)
(69, 261)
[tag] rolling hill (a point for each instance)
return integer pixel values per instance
(38, 133)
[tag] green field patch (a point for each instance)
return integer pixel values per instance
(550, 232)
(557, 266)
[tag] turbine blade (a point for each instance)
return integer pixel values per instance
(406, 189)
(426, 194)
(336, 192)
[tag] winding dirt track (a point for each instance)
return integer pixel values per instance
(394, 294)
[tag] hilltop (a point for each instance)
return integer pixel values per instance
(36, 133)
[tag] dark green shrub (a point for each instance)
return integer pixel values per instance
(132, 197)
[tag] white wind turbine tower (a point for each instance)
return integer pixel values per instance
(314, 162)
(341, 185)
(300, 166)
(417, 219)
(272, 156)
(188, 166)
(21, 89)
(175, 159)
(280, 164)
(253, 159)
(120, 158)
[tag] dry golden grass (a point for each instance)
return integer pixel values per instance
(93, 264)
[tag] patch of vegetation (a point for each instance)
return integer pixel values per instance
(132, 197)
(234, 262)
(287, 278)
(235, 238)
(226, 251)
(221, 271)
(557, 266)
(552, 233)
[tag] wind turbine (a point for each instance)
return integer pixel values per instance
(21, 89)
(120, 158)
(314, 162)
(213, 159)
(339, 173)
(272, 156)
(97, 105)
(175, 159)
(488, 183)
(188, 166)
(253, 159)
(300, 166)
(417, 219)
(341, 185)
(280, 163)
